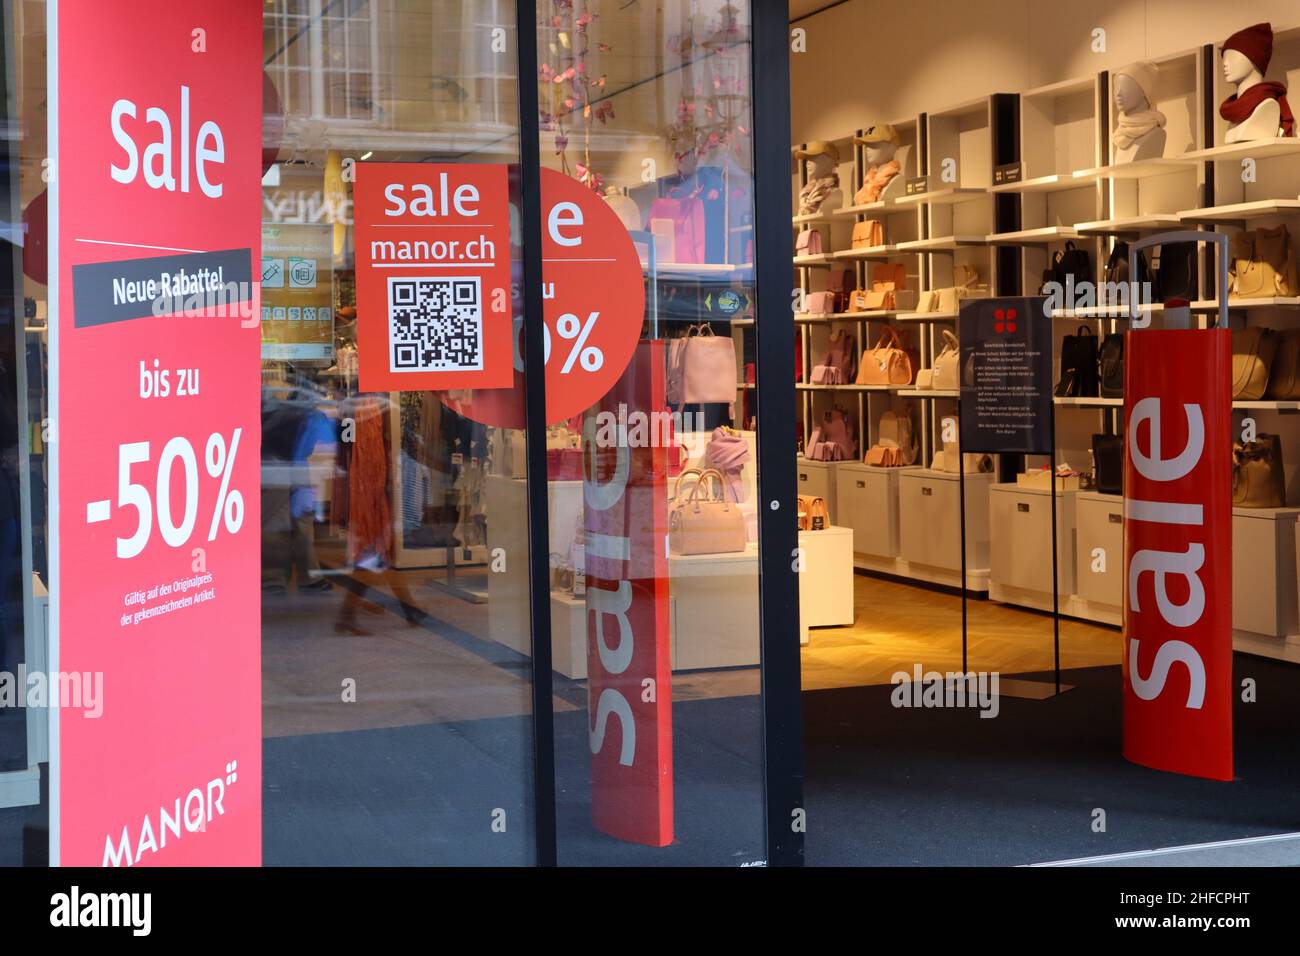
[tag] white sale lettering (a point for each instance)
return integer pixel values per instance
(209, 147)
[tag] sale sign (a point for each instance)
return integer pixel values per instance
(629, 692)
(593, 292)
(1178, 551)
(433, 276)
(155, 132)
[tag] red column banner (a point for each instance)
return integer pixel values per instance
(630, 685)
(1178, 551)
(156, 130)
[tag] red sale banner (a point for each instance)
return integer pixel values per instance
(1178, 551)
(433, 276)
(629, 692)
(155, 133)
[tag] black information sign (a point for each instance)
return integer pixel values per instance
(1006, 383)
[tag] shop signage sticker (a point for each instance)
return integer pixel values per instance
(629, 689)
(156, 138)
(593, 307)
(433, 276)
(1006, 376)
(1178, 688)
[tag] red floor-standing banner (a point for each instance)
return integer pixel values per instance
(1178, 551)
(625, 440)
(156, 137)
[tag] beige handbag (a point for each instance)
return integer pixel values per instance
(1252, 357)
(1262, 264)
(1284, 376)
(708, 366)
(972, 462)
(946, 364)
(813, 514)
(700, 524)
(897, 443)
(888, 363)
(868, 234)
(1257, 476)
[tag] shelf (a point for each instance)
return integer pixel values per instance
(925, 316)
(867, 252)
(941, 244)
(821, 216)
(691, 270)
(1253, 149)
(1265, 405)
(1265, 302)
(947, 196)
(1041, 184)
(1090, 401)
(876, 206)
(811, 262)
(1139, 168)
(1033, 237)
(808, 387)
(1130, 225)
(814, 318)
(1239, 212)
(928, 393)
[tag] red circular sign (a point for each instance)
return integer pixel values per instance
(593, 307)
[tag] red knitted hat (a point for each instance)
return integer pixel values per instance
(1254, 43)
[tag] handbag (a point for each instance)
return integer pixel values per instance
(818, 303)
(1176, 274)
(946, 363)
(698, 524)
(1073, 264)
(897, 441)
(685, 215)
(1108, 463)
(813, 514)
(1078, 365)
(1252, 357)
(1257, 477)
(868, 233)
(1111, 364)
(1284, 376)
(888, 363)
(842, 284)
(809, 243)
(1262, 264)
(708, 366)
(840, 365)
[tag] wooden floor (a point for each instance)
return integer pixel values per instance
(897, 626)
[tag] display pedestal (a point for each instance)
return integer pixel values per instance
(929, 526)
(1020, 523)
(826, 582)
(1265, 615)
(1098, 558)
(713, 608)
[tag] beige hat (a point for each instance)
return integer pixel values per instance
(818, 147)
(1144, 74)
(879, 133)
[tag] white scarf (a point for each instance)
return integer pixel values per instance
(1133, 126)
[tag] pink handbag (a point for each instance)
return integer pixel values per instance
(833, 439)
(701, 524)
(708, 367)
(809, 243)
(819, 303)
(686, 213)
(840, 365)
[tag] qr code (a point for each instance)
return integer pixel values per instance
(435, 324)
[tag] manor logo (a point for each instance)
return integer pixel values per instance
(190, 814)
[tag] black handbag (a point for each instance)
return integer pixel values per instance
(1111, 363)
(1108, 463)
(1175, 274)
(1074, 263)
(1117, 265)
(1078, 365)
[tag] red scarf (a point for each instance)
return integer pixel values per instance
(1237, 109)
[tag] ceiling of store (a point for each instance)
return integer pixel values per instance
(804, 8)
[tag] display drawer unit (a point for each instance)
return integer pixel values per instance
(929, 527)
(867, 503)
(1020, 569)
(826, 582)
(1098, 558)
(818, 478)
(1265, 616)
(713, 607)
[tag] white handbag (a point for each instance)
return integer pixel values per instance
(946, 364)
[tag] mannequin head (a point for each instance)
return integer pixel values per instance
(878, 153)
(1238, 69)
(1129, 96)
(820, 166)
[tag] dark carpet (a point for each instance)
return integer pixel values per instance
(938, 787)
